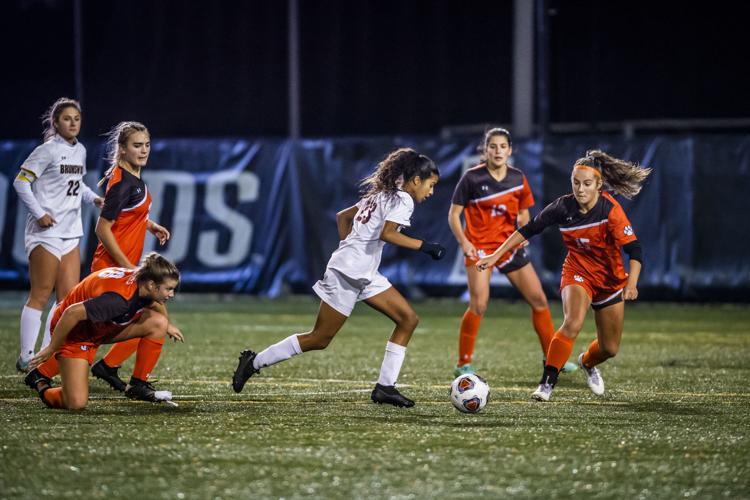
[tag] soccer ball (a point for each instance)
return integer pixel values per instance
(470, 393)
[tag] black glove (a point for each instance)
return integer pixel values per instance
(434, 250)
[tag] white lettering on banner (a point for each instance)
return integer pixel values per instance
(4, 186)
(180, 227)
(240, 227)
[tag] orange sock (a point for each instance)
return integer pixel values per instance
(559, 350)
(49, 368)
(146, 358)
(544, 327)
(467, 336)
(594, 355)
(120, 352)
(53, 397)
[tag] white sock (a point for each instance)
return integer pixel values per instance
(47, 334)
(280, 351)
(394, 358)
(31, 320)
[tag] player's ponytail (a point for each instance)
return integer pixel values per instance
(50, 117)
(118, 138)
(156, 268)
(622, 177)
(397, 168)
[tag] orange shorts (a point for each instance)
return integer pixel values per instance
(81, 350)
(600, 297)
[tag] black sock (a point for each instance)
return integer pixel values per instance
(549, 376)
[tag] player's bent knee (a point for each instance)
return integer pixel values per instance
(409, 321)
(571, 328)
(76, 403)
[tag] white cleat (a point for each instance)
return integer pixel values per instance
(542, 393)
(163, 395)
(593, 377)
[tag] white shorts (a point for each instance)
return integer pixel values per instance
(342, 293)
(56, 246)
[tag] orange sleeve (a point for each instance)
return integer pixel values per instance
(527, 197)
(619, 226)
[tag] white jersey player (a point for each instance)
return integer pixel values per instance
(403, 178)
(50, 185)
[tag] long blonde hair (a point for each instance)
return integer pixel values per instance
(118, 138)
(623, 177)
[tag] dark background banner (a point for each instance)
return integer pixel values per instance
(258, 216)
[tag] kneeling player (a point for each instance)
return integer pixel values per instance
(113, 305)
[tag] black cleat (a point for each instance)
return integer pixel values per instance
(389, 394)
(244, 370)
(105, 372)
(143, 391)
(37, 382)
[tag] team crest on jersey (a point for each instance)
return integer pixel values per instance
(84, 348)
(628, 231)
(578, 278)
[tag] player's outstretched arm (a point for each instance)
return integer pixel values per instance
(515, 239)
(69, 319)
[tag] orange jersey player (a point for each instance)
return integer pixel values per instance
(594, 229)
(494, 198)
(111, 305)
(123, 223)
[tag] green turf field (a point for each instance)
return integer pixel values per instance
(674, 422)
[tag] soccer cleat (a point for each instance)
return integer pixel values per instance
(568, 367)
(543, 392)
(245, 370)
(36, 381)
(21, 365)
(593, 377)
(143, 391)
(463, 370)
(389, 394)
(105, 372)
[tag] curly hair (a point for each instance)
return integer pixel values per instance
(397, 168)
(623, 177)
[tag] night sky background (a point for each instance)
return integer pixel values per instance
(370, 67)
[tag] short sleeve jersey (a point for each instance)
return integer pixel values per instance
(58, 168)
(111, 299)
(127, 202)
(491, 207)
(358, 256)
(593, 239)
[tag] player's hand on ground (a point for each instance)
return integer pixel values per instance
(469, 251)
(40, 358)
(46, 221)
(161, 233)
(175, 333)
(630, 293)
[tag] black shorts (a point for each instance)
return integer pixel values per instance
(520, 258)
